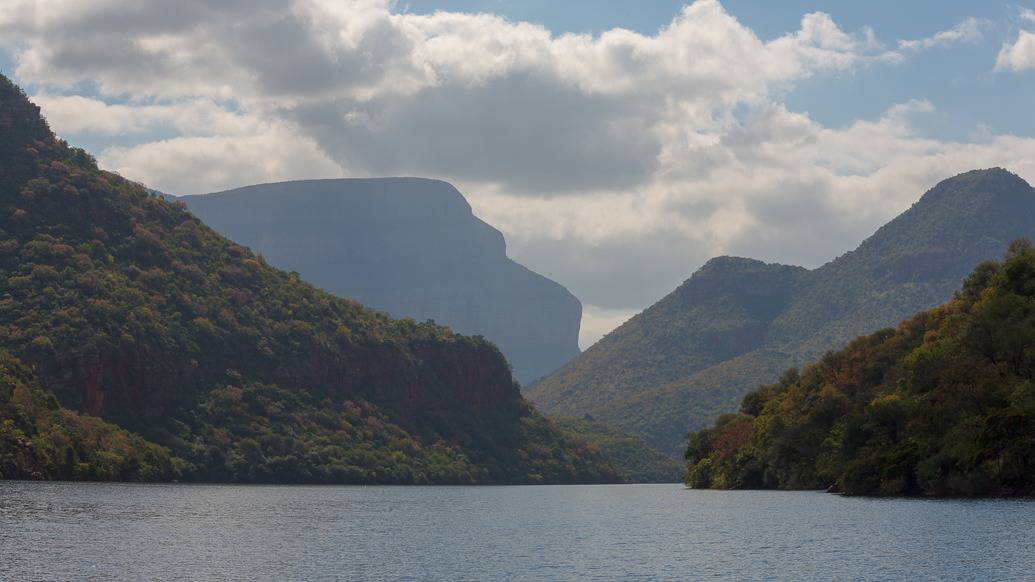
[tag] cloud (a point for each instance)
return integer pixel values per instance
(969, 31)
(615, 163)
(79, 115)
(596, 323)
(783, 189)
(218, 163)
(469, 97)
(1017, 56)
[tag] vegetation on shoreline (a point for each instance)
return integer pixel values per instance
(41, 440)
(942, 405)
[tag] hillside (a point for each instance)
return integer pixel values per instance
(736, 323)
(634, 459)
(942, 405)
(126, 307)
(410, 247)
(40, 440)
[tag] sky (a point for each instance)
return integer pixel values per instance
(618, 145)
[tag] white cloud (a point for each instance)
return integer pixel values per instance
(780, 187)
(968, 31)
(596, 323)
(1019, 55)
(473, 98)
(196, 165)
(77, 115)
(615, 163)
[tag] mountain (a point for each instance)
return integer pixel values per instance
(125, 307)
(40, 440)
(634, 459)
(942, 405)
(410, 247)
(737, 323)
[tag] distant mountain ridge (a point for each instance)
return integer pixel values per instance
(411, 247)
(737, 323)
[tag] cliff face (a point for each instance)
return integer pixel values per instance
(737, 323)
(127, 307)
(41, 440)
(410, 247)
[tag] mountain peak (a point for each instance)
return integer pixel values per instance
(729, 263)
(21, 127)
(957, 213)
(20, 119)
(988, 187)
(738, 322)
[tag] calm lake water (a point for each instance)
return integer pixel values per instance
(90, 531)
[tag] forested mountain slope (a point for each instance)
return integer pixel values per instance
(944, 404)
(736, 323)
(126, 307)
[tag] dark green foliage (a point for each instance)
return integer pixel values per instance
(128, 308)
(40, 440)
(737, 323)
(634, 459)
(944, 404)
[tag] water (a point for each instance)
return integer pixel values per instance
(189, 532)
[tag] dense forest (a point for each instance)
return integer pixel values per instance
(123, 307)
(737, 323)
(942, 405)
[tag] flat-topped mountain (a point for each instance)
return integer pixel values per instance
(119, 305)
(737, 323)
(410, 247)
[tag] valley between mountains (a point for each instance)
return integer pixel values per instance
(375, 331)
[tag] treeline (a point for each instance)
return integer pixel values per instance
(943, 405)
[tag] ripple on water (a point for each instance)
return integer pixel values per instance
(93, 531)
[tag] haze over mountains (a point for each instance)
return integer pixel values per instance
(408, 246)
(738, 323)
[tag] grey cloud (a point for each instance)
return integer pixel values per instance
(795, 223)
(287, 57)
(526, 131)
